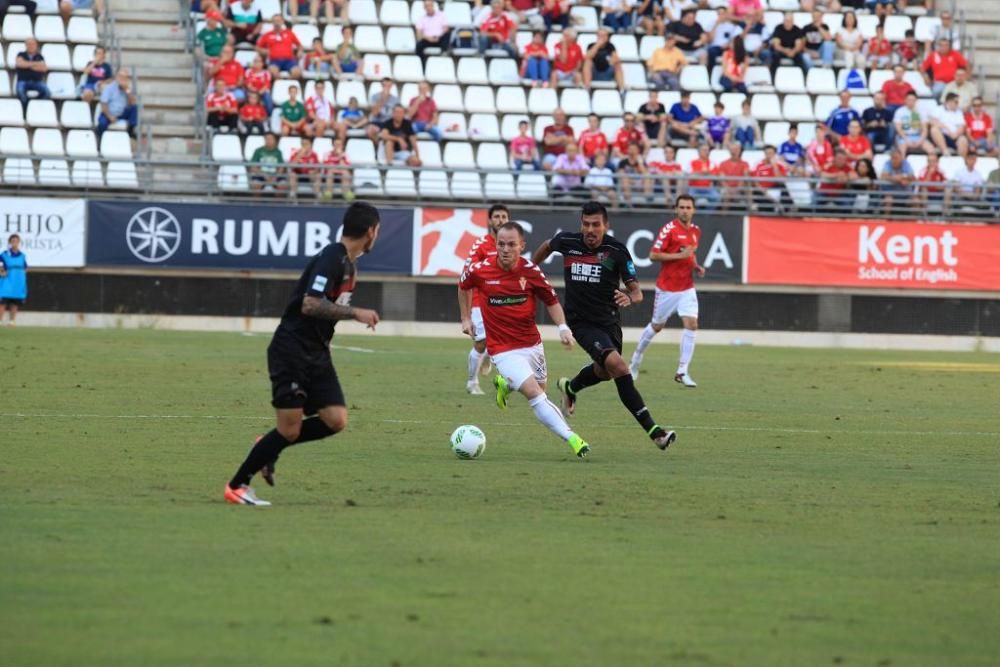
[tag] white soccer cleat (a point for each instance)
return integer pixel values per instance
(474, 389)
(243, 496)
(633, 366)
(685, 380)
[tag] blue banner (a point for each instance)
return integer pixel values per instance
(242, 237)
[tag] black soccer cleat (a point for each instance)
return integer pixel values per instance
(662, 438)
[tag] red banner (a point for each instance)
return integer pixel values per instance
(872, 253)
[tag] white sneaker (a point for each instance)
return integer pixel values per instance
(685, 380)
(633, 366)
(243, 496)
(474, 389)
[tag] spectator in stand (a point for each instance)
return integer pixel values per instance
(634, 174)
(567, 66)
(293, 115)
(601, 180)
(330, 9)
(819, 42)
(912, 130)
(266, 172)
(993, 190)
(306, 156)
(423, 112)
(617, 14)
(526, 12)
(940, 66)
(628, 134)
(399, 140)
(30, 7)
(897, 183)
(523, 149)
(878, 51)
(834, 179)
(969, 188)
(244, 21)
(961, 86)
(318, 62)
(979, 127)
(229, 72)
(745, 128)
(948, 127)
(863, 181)
(380, 109)
(320, 112)
(896, 89)
(850, 40)
(592, 140)
(432, 30)
(877, 120)
(212, 37)
(769, 192)
(946, 30)
(907, 52)
(98, 72)
(555, 13)
(222, 107)
(282, 49)
(690, 37)
(536, 65)
(672, 9)
(253, 116)
(735, 62)
(497, 31)
(927, 192)
(734, 188)
(820, 151)
(685, 121)
(118, 103)
(704, 191)
(650, 13)
(352, 118)
(339, 168)
(667, 175)
(258, 80)
(718, 128)
(13, 278)
(348, 60)
(601, 63)
(792, 152)
(840, 118)
(787, 41)
(570, 168)
(665, 65)
(653, 116)
(31, 70)
(555, 138)
(720, 38)
(747, 12)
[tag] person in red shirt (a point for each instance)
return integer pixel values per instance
(856, 144)
(222, 108)
(769, 193)
(939, 67)
(908, 50)
(253, 116)
(667, 172)
(927, 193)
(835, 177)
(340, 168)
(879, 49)
(535, 61)
(820, 151)
(423, 112)
(735, 188)
(592, 140)
(700, 188)
(629, 133)
(497, 31)
(230, 72)
(258, 80)
(509, 286)
(304, 155)
(567, 65)
(282, 49)
(675, 247)
(484, 248)
(555, 138)
(896, 89)
(979, 127)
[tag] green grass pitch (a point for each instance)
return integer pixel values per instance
(819, 508)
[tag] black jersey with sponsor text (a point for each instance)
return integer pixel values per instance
(592, 275)
(331, 275)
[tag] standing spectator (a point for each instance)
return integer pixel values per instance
(792, 152)
(306, 156)
(13, 278)
(879, 50)
(746, 129)
(897, 182)
(819, 40)
(601, 180)
(348, 61)
(399, 140)
(523, 149)
(569, 168)
(721, 36)
(567, 66)
(222, 108)
(787, 41)
(769, 192)
(602, 63)
(896, 89)
(690, 37)
(555, 13)
(293, 115)
(927, 192)
(850, 40)
(535, 61)
(820, 151)
(320, 111)
(747, 12)
(432, 30)
(969, 186)
(704, 191)
(840, 118)
(253, 116)
(877, 120)
(227, 70)
(961, 86)
(907, 52)
(617, 14)
(497, 31)
(634, 173)
(244, 22)
(318, 62)
(948, 127)
(654, 119)
(98, 72)
(912, 130)
(940, 66)
(665, 65)
(685, 119)
(266, 172)
(945, 30)
(258, 80)
(212, 37)
(352, 118)
(31, 70)
(118, 103)
(339, 168)
(834, 179)
(629, 133)
(717, 128)
(282, 49)
(734, 189)
(592, 140)
(423, 112)
(735, 62)
(555, 138)
(380, 109)
(979, 127)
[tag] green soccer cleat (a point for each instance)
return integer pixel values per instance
(503, 391)
(579, 445)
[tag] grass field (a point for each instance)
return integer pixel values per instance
(819, 508)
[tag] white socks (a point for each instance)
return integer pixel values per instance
(687, 350)
(475, 361)
(550, 415)
(644, 340)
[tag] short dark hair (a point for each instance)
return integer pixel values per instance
(384, 78)
(359, 218)
(594, 208)
(497, 207)
(683, 197)
(950, 96)
(13, 236)
(685, 93)
(512, 225)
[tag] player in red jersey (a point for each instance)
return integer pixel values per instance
(485, 247)
(508, 285)
(675, 247)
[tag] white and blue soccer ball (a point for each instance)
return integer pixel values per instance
(468, 442)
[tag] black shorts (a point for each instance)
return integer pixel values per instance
(301, 378)
(598, 341)
(13, 302)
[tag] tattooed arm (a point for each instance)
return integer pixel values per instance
(324, 309)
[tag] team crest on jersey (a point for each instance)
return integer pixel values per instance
(522, 281)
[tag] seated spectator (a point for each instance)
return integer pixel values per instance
(820, 151)
(306, 156)
(945, 30)
(685, 119)
(770, 192)
(30, 8)
(940, 66)
(878, 126)
(650, 16)
(281, 47)
(523, 149)
(690, 37)
(787, 41)
(497, 31)
(555, 13)
(667, 175)
(253, 116)
(31, 69)
(841, 118)
(118, 103)
(266, 172)
(320, 112)
(352, 118)
(834, 180)
(432, 30)
(227, 70)
(863, 181)
(567, 66)
(850, 41)
(628, 134)
(665, 64)
(339, 170)
(897, 183)
(745, 128)
(948, 127)
(734, 189)
(617, 14)
(819, 41)
(222, 107)
(399, 140)
(633, 174)
(535, 61)
(244, 21)
(747, 12)
(331, 9)
(380, 109)
(912, 130)
(570, 168)
(601, 180)
(258, 80)
(318, 62)
(856, 144)
(896, 89)
(211, 39)
(961, 86)
(735, 62)
(349, 60)
(979, 127)
(98, 72)
(718, 128)
(67, 7)
(907, 52)
(555, 138)
(602, 63)
(293, 115)
(592, 140)
(704, 191)
(970, 186)
(927, 192)
(423, 112)
(878, 51)
(653, 116)
(720, 37)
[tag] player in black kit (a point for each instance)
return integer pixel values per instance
(595, 265)
(305, 391)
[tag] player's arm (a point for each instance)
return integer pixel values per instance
(542, 253)
(684, 253)
(315, 304)
(465, 286)
(558, 317)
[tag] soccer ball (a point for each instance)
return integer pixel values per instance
(468, 442)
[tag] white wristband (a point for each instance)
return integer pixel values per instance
(563, 328)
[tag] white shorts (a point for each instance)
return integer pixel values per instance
(478, 328)
(665, 304)
(516, 366)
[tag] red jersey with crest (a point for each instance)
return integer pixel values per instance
(509, 302)
(480, 250)
(675, 275)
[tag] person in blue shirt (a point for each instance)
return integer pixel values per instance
(841, 117)
(792, 152)
(685, 119)
(717, 127)
(13, 278)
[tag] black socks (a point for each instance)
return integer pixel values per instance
(271, 446)
(585, 378)
(632, 400)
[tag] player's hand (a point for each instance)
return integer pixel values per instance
(686, 252)
(700, 270)
(467, 328)
(566, 338)
(367, 317)
(622, 299)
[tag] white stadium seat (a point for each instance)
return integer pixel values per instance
(306, 34)
(625, 45)
(369, 39)
(896, 27)
(14, 141)
(360, 151)
(279, 90)
(13, 49)
(400, 183)
(824, 104)
(584, 19)
(924, 28)
(233, 178)
(578, 123)
(440, 69)
(648, 44)
(458, 14)
(732, 104)
(82, 29)
(47, 142)
(706, 18)
(765, 106)
(491, 156)
(57, 57)
(606, 103)
(509, 126)
(82, 54)
(17, 27)
(610, 126)
(575, 101)
(408, 69)
(81, 143)
(531, 186)
(18, 171)
(433, 183)
(5, 90)
(332, 37)
(484, 127)
(41, 113)
(705, 103)
(635, 76)
(821, 81)
(542, 101)
(466, 185)
(789, 80)
(348, 89)
(377, 67)
(500, 187)
(918, 83)
(695, 77)
(122, 175)
(363, 11)
(430, 153)
(511, 99)
(798, 108)
(448, 97)
(50, 29)
(115, 145)
(53, 172)
(503, 72)
(227, 148)
(453, 125)
(458, 155)
(394, 12)
(479, 99)
(400, 40)
(288, 145)
(775, 132)
(758, 79)
(472, 71)
(87, 174)
(250, 145)
(11, 112)
(62, 85)
(867, 24)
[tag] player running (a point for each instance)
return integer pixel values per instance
(594, 264)
(479, 362)
(675, 246)
(303, 380)
(508, 285)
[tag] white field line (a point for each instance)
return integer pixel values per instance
(689, 427)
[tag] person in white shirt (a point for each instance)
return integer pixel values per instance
(600, 179)
(948, 127)
(432, 30)
(969, 186)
